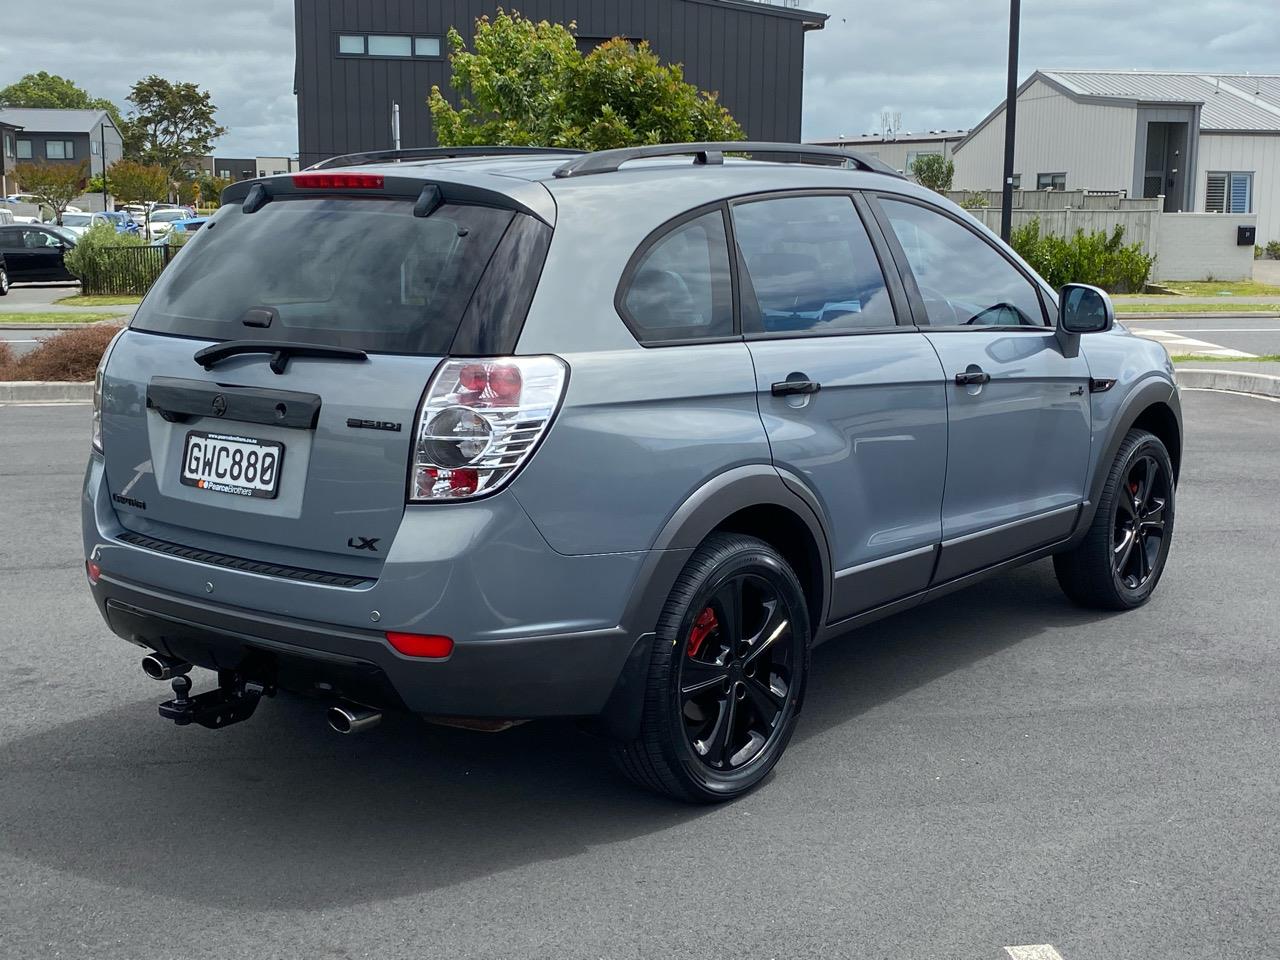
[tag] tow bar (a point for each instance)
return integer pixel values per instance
(233, 702)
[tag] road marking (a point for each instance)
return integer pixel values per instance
(1176, 343)
(1037, 951)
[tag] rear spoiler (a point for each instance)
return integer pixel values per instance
(523, 196)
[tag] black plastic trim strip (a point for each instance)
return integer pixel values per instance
(279, 571)
(179, 400)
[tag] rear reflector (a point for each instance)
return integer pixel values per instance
(338, 181)
(93, 571)
(420, 645)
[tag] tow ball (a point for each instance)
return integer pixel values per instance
(233, 701)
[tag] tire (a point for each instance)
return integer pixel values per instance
(721, 701)
(4, 282)
(1122, 556)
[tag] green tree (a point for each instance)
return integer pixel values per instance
(172, 124)
(49, 90)
(54, 185)
(527, 83)
(934, 171)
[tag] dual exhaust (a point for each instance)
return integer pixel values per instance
(345, 718)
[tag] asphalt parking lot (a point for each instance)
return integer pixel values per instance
(995, 769)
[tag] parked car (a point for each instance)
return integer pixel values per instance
(36, 252)
(81, 223)
(419, 457)
(161, 221)
(4, 275)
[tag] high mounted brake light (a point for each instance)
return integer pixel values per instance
(338, 181)
(480, 422)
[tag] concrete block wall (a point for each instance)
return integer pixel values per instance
(1197, 246)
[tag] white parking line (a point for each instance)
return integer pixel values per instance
(1176, 343)
(1038, 951)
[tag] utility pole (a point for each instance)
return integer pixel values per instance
(1010, 121)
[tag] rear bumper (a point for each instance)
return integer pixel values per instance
(535, 633)
(566, 675)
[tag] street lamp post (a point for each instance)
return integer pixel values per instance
(1010, 122)
(102, 139)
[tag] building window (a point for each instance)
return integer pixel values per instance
(95, 147)
(389, 45)
(1051, 181)
(1229, 193)
(8, 145)
(224, 174)
(60, 149)
(1017, 181)
(24, 149)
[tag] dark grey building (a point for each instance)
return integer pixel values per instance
(355, 60)
(62, 136)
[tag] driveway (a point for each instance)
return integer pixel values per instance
(998, 768)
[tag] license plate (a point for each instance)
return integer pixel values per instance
(226, 463)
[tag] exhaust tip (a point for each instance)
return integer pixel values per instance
(347, 719)
(159, 667)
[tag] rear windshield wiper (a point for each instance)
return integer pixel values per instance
(282, 351)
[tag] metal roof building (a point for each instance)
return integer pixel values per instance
(355, 60)
(1206, 142)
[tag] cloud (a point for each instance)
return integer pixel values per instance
(241, 51)
(941, 64)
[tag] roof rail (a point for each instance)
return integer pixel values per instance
(712, 154)
(436, 153)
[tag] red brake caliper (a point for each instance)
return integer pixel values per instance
(702, 628)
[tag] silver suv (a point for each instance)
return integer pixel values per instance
(498, 434)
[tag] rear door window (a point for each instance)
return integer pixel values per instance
(357, 273)
(681, 289)
(812, 267)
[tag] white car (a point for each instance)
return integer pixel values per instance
(161, 221)
(79, 223)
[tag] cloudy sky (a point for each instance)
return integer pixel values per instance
(940, 63)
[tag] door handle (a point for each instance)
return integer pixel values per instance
(972, 378)
(799, 386)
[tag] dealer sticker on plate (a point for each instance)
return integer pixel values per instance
(225, 463)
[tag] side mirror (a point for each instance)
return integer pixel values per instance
(1085, 309)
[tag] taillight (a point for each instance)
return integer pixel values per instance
(338, 181)
(480, 421)
(95, 437)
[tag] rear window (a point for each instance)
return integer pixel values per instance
(362, 273)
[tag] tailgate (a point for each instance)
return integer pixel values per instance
(332, 439)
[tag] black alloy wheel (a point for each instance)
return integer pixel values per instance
(1140, 522)
(726, 674)
(1121, 557)
(736, 673)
